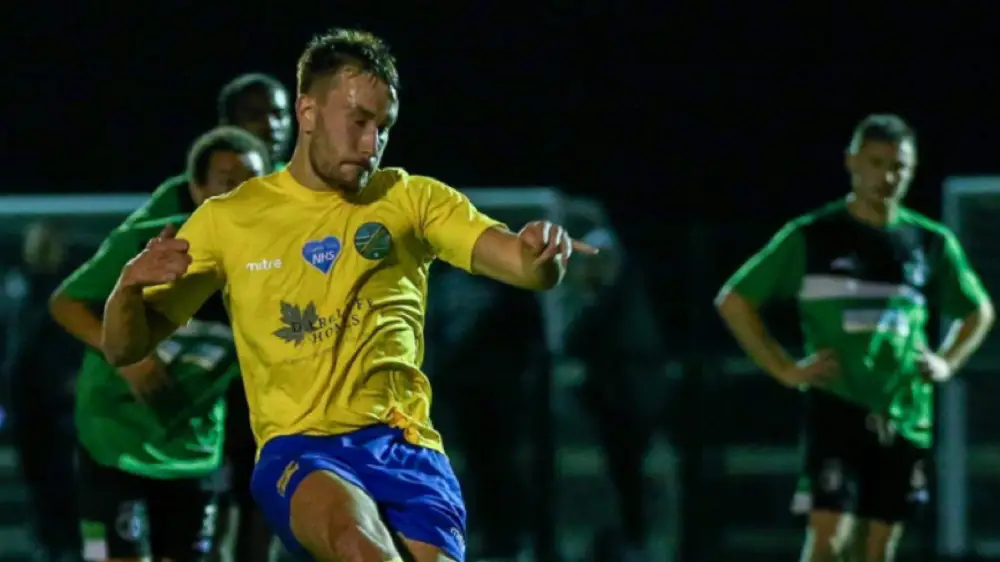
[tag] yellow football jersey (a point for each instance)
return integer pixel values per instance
(327, 296)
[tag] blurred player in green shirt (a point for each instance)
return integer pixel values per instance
(260, 104)
(255, 102)
(152, 433)
(865, 272)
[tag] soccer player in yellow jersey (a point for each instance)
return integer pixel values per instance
(324, 268)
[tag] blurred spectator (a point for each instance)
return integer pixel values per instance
(39, 366)
(484, 339)
(616, 337)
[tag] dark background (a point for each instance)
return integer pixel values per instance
(671, 112)
(701, 126)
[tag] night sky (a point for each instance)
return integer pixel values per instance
(678, 115)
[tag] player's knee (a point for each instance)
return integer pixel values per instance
(342, 540)
(831, 536)
(335, 522)
(818, 547)
(352, 544)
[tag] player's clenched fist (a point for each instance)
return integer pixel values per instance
(551, 241)
(164, 259)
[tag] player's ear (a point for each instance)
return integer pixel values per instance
(306, 107)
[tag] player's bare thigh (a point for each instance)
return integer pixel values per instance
(337, 522)
(836, 537)
(881, 540)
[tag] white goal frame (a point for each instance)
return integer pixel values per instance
(953, 440)
(550, 202)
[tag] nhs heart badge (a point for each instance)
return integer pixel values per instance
(322, 254)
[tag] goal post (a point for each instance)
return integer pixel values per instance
(971, 209)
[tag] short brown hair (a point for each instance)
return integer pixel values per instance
(222, 139)
(232, 93)
(882, 127)
(328, 53)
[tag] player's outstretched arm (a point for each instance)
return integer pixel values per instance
(459, 234)
(533, 259)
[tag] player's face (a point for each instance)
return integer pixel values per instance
(881, 172)
(267, 114)
(349, 129)
(226, 170)
(43, 248)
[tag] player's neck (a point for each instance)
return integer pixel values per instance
(300, 169)
(875, 214)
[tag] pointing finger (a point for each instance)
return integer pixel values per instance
(584, 248)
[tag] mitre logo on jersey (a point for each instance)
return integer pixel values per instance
(321, 254)
(305, 325)
(264, 265)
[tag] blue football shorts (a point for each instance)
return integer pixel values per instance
(414, 488)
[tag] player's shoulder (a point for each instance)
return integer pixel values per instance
(147, 229)
(397, 182)
(255, 191)
(169, 187)
(912, 218)
(162, 201)
(825, 214)
(385, 183)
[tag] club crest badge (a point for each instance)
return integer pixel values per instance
(322, 254)
(373, 241)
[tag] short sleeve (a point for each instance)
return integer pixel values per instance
(179, 301)
(961, 291)
(94, 280)
(447, 220)
(776, 271)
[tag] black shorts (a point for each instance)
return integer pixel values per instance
(128, 516)
(858, 464)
